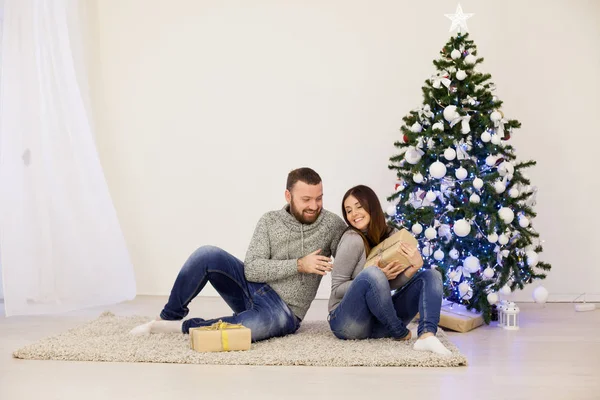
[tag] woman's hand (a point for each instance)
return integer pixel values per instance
(392, 269)
(413, 255)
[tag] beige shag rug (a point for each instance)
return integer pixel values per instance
(107, 339)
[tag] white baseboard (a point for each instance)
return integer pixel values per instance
(567, 298)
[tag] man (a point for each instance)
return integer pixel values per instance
(271, 292)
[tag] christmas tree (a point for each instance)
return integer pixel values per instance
(461, 190)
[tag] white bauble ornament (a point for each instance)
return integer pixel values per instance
(493, 238)
(461, 75)
(470, 59)
(540, 294)
(492, 298)
(462, 228)
(417, 178)
(475, 199)
(400, 187)
(437, 170)
(506, 168)
(503, 239)
(461, 173)
(454, 254)
(438, 255)
(523, 222)
(438, 126)
(452, 274)
(514, 193)
(450, 113)
(391, 210)
(430, 233)
(477, 183)
(499, 187)
(449, 154)
(455, 54)
(412, 155)
(506, 214)
(431, 196)
(488, 273)
(491, 160)
(426, 251)
(417, 228)
(486, 137)
(532, 258)
(471, 264)
(416, 128)
(465, 291)
(496, 140)
(506, 290)
(495, 116)
(505, 253)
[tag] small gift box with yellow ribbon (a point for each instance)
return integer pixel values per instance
(220, 336)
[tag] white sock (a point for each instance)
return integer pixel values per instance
(432, 344)
(159, 326)
(166, 326)
(141, 329)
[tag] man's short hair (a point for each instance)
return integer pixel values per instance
(306, 175)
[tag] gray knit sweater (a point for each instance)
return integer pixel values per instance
(279, 240)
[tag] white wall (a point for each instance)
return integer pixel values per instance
(204, 106)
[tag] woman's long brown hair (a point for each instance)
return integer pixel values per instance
(377, 230)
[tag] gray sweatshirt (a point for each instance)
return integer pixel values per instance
(349, 262)
(278, 242)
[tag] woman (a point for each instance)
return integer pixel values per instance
(361, 305)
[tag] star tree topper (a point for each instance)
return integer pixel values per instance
(459, 20)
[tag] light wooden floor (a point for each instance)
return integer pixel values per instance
(555, 355)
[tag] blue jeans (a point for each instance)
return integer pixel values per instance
(255, 305)
(368, 310)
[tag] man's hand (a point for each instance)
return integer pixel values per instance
(392, 269)
(314, 264)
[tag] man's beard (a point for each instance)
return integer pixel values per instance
(302, 217)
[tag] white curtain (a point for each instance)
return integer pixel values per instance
(1, 24)
(61, 246)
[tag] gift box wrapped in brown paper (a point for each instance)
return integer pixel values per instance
(220, 336)
(388, 249)
(457, 318)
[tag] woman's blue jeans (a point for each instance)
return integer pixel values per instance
(368, 310)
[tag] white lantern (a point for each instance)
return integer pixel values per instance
(508, 316)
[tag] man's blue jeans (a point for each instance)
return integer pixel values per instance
(255, 305)
(368, 310)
